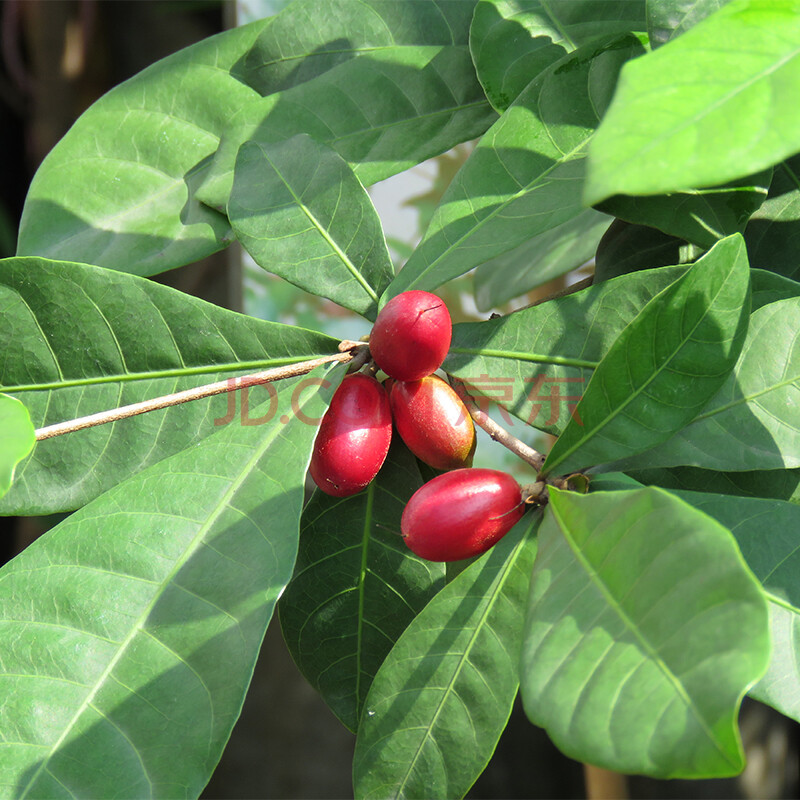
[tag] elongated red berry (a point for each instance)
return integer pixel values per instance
(353, 438)
(411, 335)
(461, 513)
(433, 422)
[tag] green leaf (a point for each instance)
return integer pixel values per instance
(665, 366)
(512, 41)
(753, 421)
(767, 287)
(119, 339)
(444, 694)
(17, 438)
(119, 189)
(644, 629)
(536, 361)
(383, 112)
(301, 213)
(355, 576)
(526, 174)
(713, 105)
(667, 19)
(130, 631)
(539, 260)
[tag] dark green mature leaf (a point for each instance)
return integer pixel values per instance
(512, 41)
(301, 213)
(644, 629)
(17, 438)
(713, 105)
(667, 19)
(773, 233)
(539, 260)
(536, 361)
(130, 631)
(665, 366)
(526, 174)
(753, 421)
(767, 287)
(382, 112)
(121, 339)
(356, 586)
(443, 696)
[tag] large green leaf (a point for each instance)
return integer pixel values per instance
(443, 696)
(512, 41)
(667, 19)
(665, 366)
(644, 629)
(301, 213)
(355, 576)
(526, 174)
(17, 438)
(536, 361)
(539, 260)
(714, 104)
(130, 631)
(87, 340)
(753, 421)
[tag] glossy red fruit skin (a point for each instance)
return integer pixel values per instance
(461, 514)
(353, 437)
(433, 422)
(411, 335)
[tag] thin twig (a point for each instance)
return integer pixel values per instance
(209, 390)
(497, 432)
(571, 289)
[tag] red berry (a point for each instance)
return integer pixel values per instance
(411, 335)
(353, 438)
(461, 513)
(433, 422)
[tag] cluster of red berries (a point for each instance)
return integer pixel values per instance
(456, 515)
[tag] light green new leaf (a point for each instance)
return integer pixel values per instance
(129, 632)
(355, 575)
(526, 174)
(512, 41)
(715, 104)
(667, 19)
(89, 340)
(443, 695)
(539, 260)
(665, 366)
(301, 213)
(17, 438)
(536, 361)
(644, 629)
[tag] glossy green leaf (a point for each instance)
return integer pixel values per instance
(667, 19)
(715, 104)
(444, 694)
(355, 577)
(753, 421)
(665, 366)
(89, 339)
(512, 41)
(526, 174)
(643, 631)
(537, 361)
(301, 213)
(539, 260)
(17, 438)
(130, 631)
(767, 287)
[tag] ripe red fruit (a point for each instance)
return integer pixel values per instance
(433, 422)
(411, 335)
(461, 513)
(353, 438)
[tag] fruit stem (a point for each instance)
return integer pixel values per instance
(497, 432)
(350, 351)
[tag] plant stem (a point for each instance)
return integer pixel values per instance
(603, 784)
(571, 289)
(349, 353)
(497, 432)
